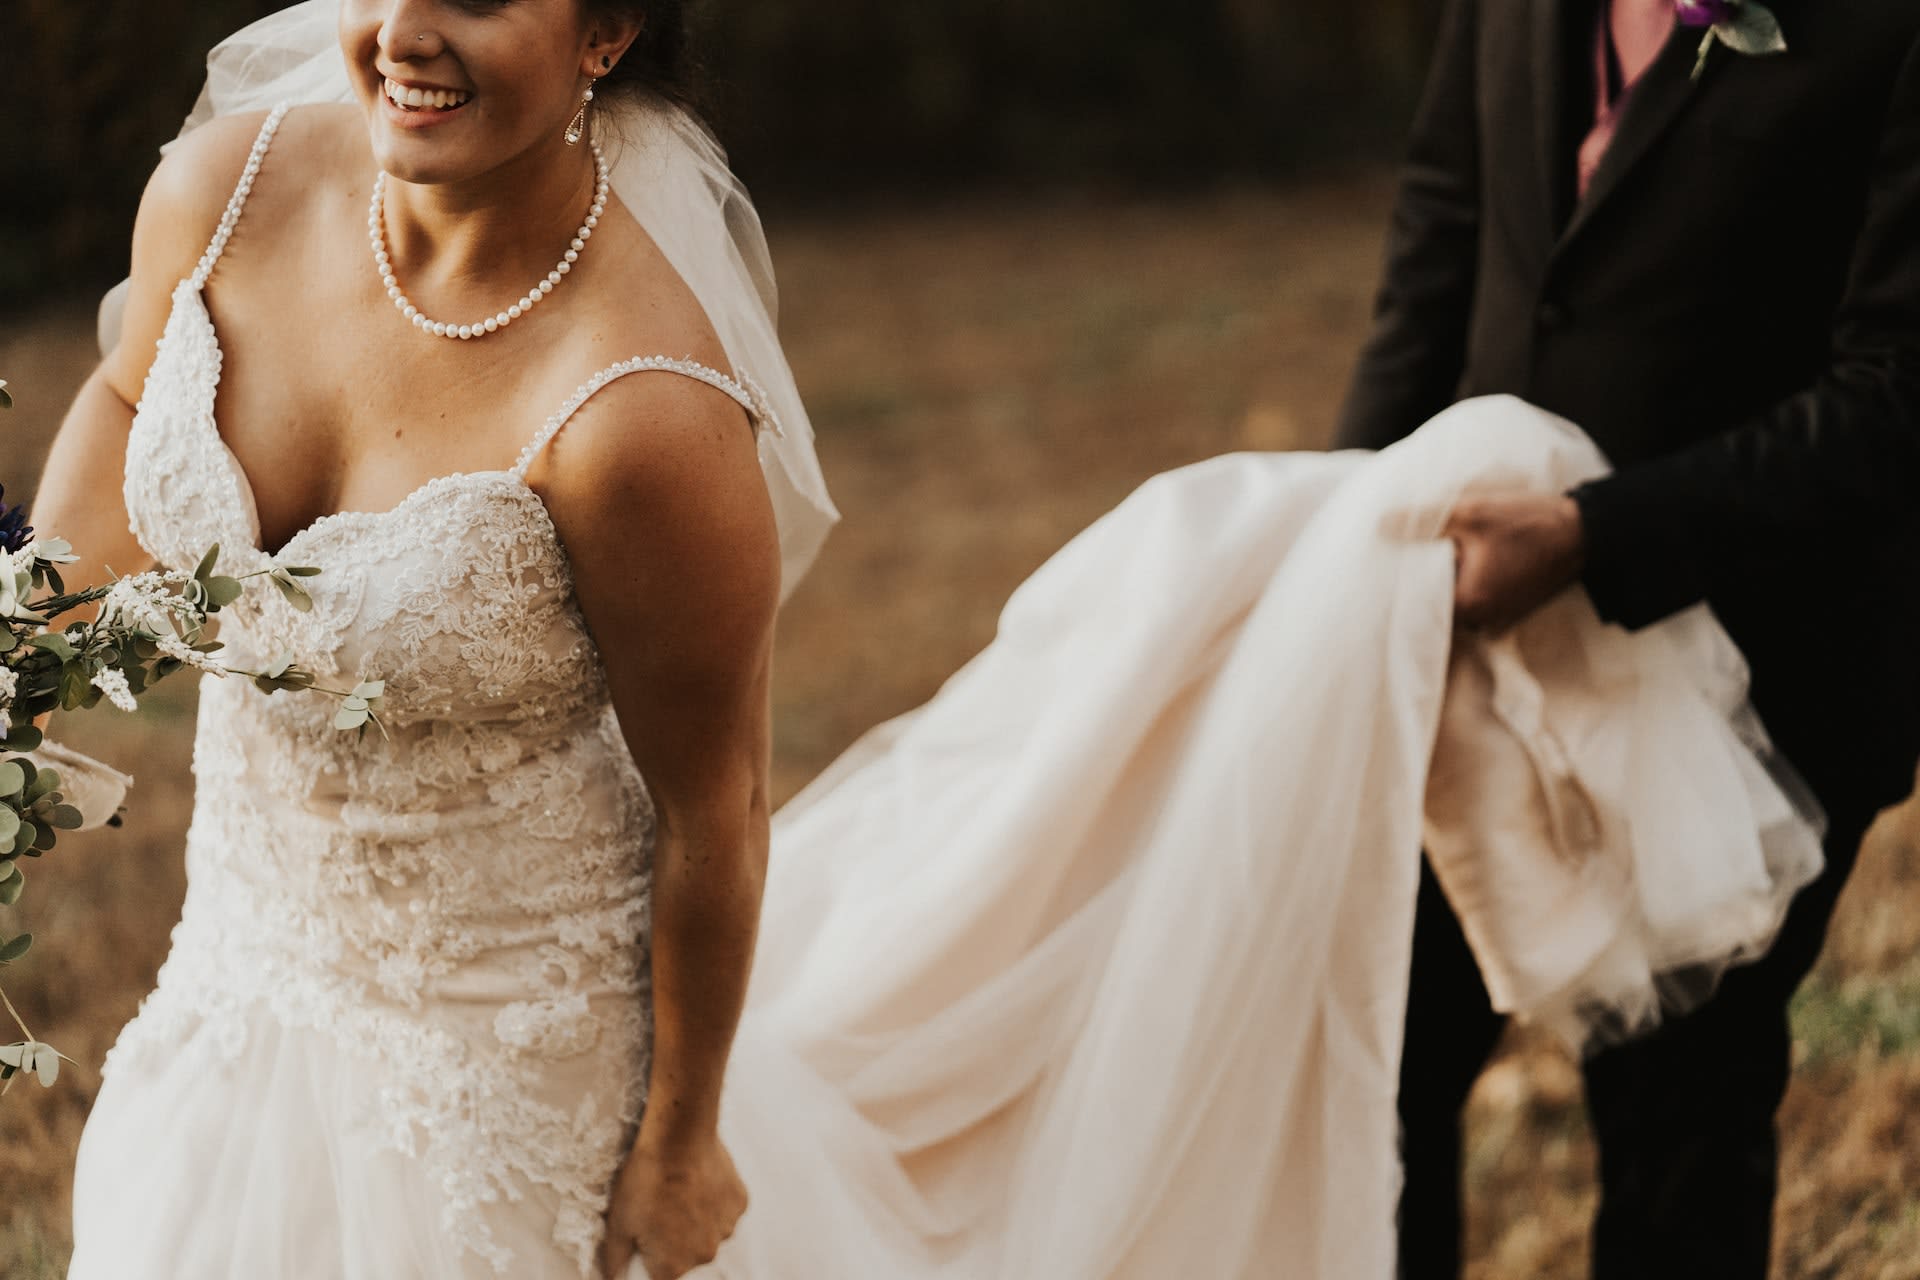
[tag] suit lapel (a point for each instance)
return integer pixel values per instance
(1558, 28)
(1651, 108)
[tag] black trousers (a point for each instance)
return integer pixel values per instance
(1684, 1119)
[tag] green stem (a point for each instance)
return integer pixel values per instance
(1706, 47)
(342, 694)
(54, 606)
(24, 1029)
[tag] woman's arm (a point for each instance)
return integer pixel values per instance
(79, 496)
(664, 512)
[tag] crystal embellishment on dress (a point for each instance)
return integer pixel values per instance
(377, 237)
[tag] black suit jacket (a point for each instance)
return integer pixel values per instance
(1732, 313)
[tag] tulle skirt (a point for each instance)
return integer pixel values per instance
(272, 1163)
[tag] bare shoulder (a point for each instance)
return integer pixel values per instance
(181, 209)
(656, 490)
(188, 192)
(179, 214)
(654, 440)
(656, 448)
(190, 188)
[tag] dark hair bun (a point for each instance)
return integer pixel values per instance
(659, 62)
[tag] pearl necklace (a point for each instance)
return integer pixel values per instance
(376, 235)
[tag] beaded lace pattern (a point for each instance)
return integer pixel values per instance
(466, 904)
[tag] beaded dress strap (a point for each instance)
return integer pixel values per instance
(743, 390)
(231, 218)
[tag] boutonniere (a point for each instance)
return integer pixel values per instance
(1744, 26)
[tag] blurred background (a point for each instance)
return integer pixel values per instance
(1030, 254)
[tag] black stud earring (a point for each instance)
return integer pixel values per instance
(606, 62)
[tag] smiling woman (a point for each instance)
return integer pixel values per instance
(464, 965)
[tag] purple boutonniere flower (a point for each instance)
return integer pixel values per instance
(1704, 13)
(1745, 26)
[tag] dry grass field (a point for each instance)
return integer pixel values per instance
(984, 382)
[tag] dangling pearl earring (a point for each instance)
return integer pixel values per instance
(577, 127)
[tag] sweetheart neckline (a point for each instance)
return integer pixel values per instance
(244, 483)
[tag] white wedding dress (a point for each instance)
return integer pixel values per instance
(1093, 967)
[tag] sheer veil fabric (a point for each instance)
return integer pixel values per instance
(1093, 967)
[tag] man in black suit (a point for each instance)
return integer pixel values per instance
(1728, 302)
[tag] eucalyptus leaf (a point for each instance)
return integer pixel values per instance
(66, 818)
(76, 688)
(10, 821)
(370, 689)
(8, 640)
(25, 737)
(13, 779)
(31, 1055)
(6, 401)
(222, 592)
(207, 562)
(43, 841)
(14, 948)
(55, 581)
(302, 570)
(1752, 29)
(56, 644)
(39, 781)
(350, 718)
(13, 886)
(295, 593)
(26, 837)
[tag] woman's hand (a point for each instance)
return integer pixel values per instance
(672, 1209)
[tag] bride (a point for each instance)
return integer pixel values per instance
(1094, 966)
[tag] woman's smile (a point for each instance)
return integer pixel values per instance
(416, 105)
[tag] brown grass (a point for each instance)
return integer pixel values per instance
(985, 381)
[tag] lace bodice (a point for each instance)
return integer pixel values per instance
(465, 900)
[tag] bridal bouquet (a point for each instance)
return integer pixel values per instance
(146, 627)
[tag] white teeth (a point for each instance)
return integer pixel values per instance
(440, 99)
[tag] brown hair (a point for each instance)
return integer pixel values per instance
(660, 61)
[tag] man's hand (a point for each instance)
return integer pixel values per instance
(1513, 555)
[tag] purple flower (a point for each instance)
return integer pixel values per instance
(1704, 13)
(15, 532)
